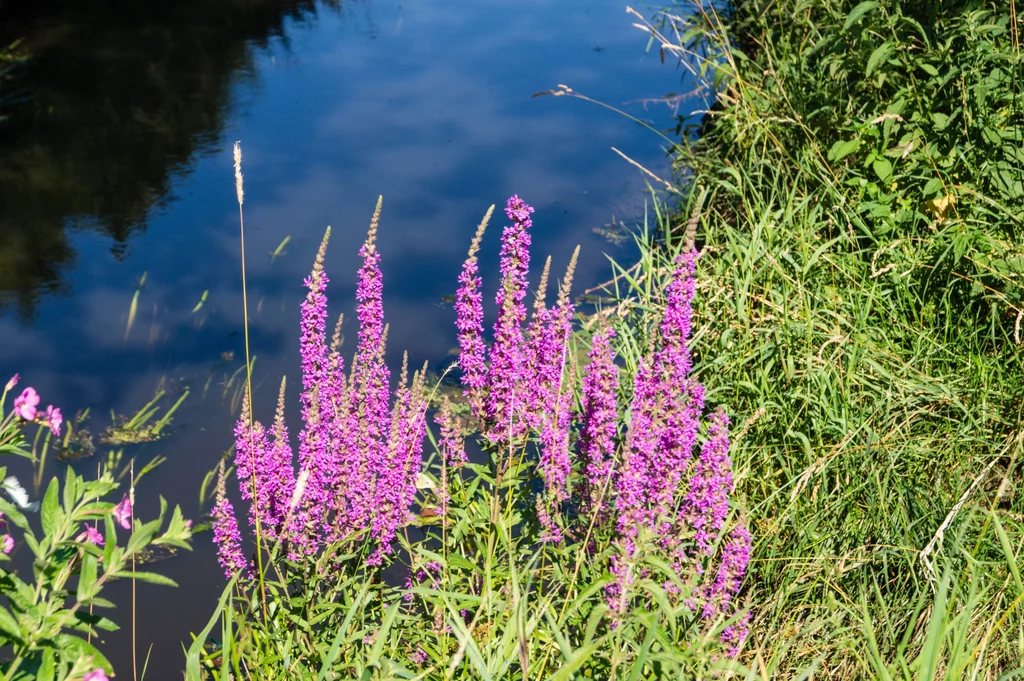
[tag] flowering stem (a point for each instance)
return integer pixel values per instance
(248, 367)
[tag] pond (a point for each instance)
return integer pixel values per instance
(116, 179)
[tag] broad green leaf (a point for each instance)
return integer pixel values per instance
(877, 57)
(859, 12)
(75, 647)
(883, 169)
(46, 666)
(940, 120)
(51, 508)
(841, 150)
(932, 186)
(87, 577)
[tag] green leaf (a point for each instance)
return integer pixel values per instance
(51, 508)
(75, 647)
(858, 12)
(151, 577)
(932, 186)
(193, 670)
(940, 121)
(9, 626)
(880, 54)
(46, 666)
(841, 149)
(883, 169)
(929, 69)
(87, 577)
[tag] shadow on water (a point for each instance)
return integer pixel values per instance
(111, 101)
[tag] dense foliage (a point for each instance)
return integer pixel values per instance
(47, 624)
(858, 186)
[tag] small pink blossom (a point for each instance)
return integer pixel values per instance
(6, 544)
(123, 513)
(54, 418)
(12, 382)
(91, 535)
(26, 403)
(96, 675)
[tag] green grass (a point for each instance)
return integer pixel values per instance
(858, 191)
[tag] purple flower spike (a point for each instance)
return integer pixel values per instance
(506, 372)
(314, 438)
(599, 422)
(225, 532)
(735, 558)
(452, 444)
(469, 312)
(707, 502)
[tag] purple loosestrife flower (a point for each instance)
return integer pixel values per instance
(682, 398)
(633, 483)
(96, 675)
(306, 528)
(599, 422)
(251, 467)
(370, 373)
(452, 444)
(123, 513)
(552, 385)
(537, 335)
(506, 373)
(735, 558)
(55, 419)
(369, 391)
(555, 464)
(279, 476)
(735, 634)
(313, 438)
(707, 503)
(469, 320)
(26, 403)
(6, 544)
(396, 488)
(225, 532)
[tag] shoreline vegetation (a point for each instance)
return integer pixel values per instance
(786, 444)
(859, 187)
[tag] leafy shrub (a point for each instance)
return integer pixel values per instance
(48, 624)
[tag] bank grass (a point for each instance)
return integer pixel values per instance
(857, 190)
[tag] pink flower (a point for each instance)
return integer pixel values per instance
(13, 382)
(6, 544)
(96, 675)
(54, 418)
(26, 403)
(90, 535)
(123, 513)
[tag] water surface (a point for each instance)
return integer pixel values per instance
(115, 163)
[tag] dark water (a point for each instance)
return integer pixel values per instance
(115, 161)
